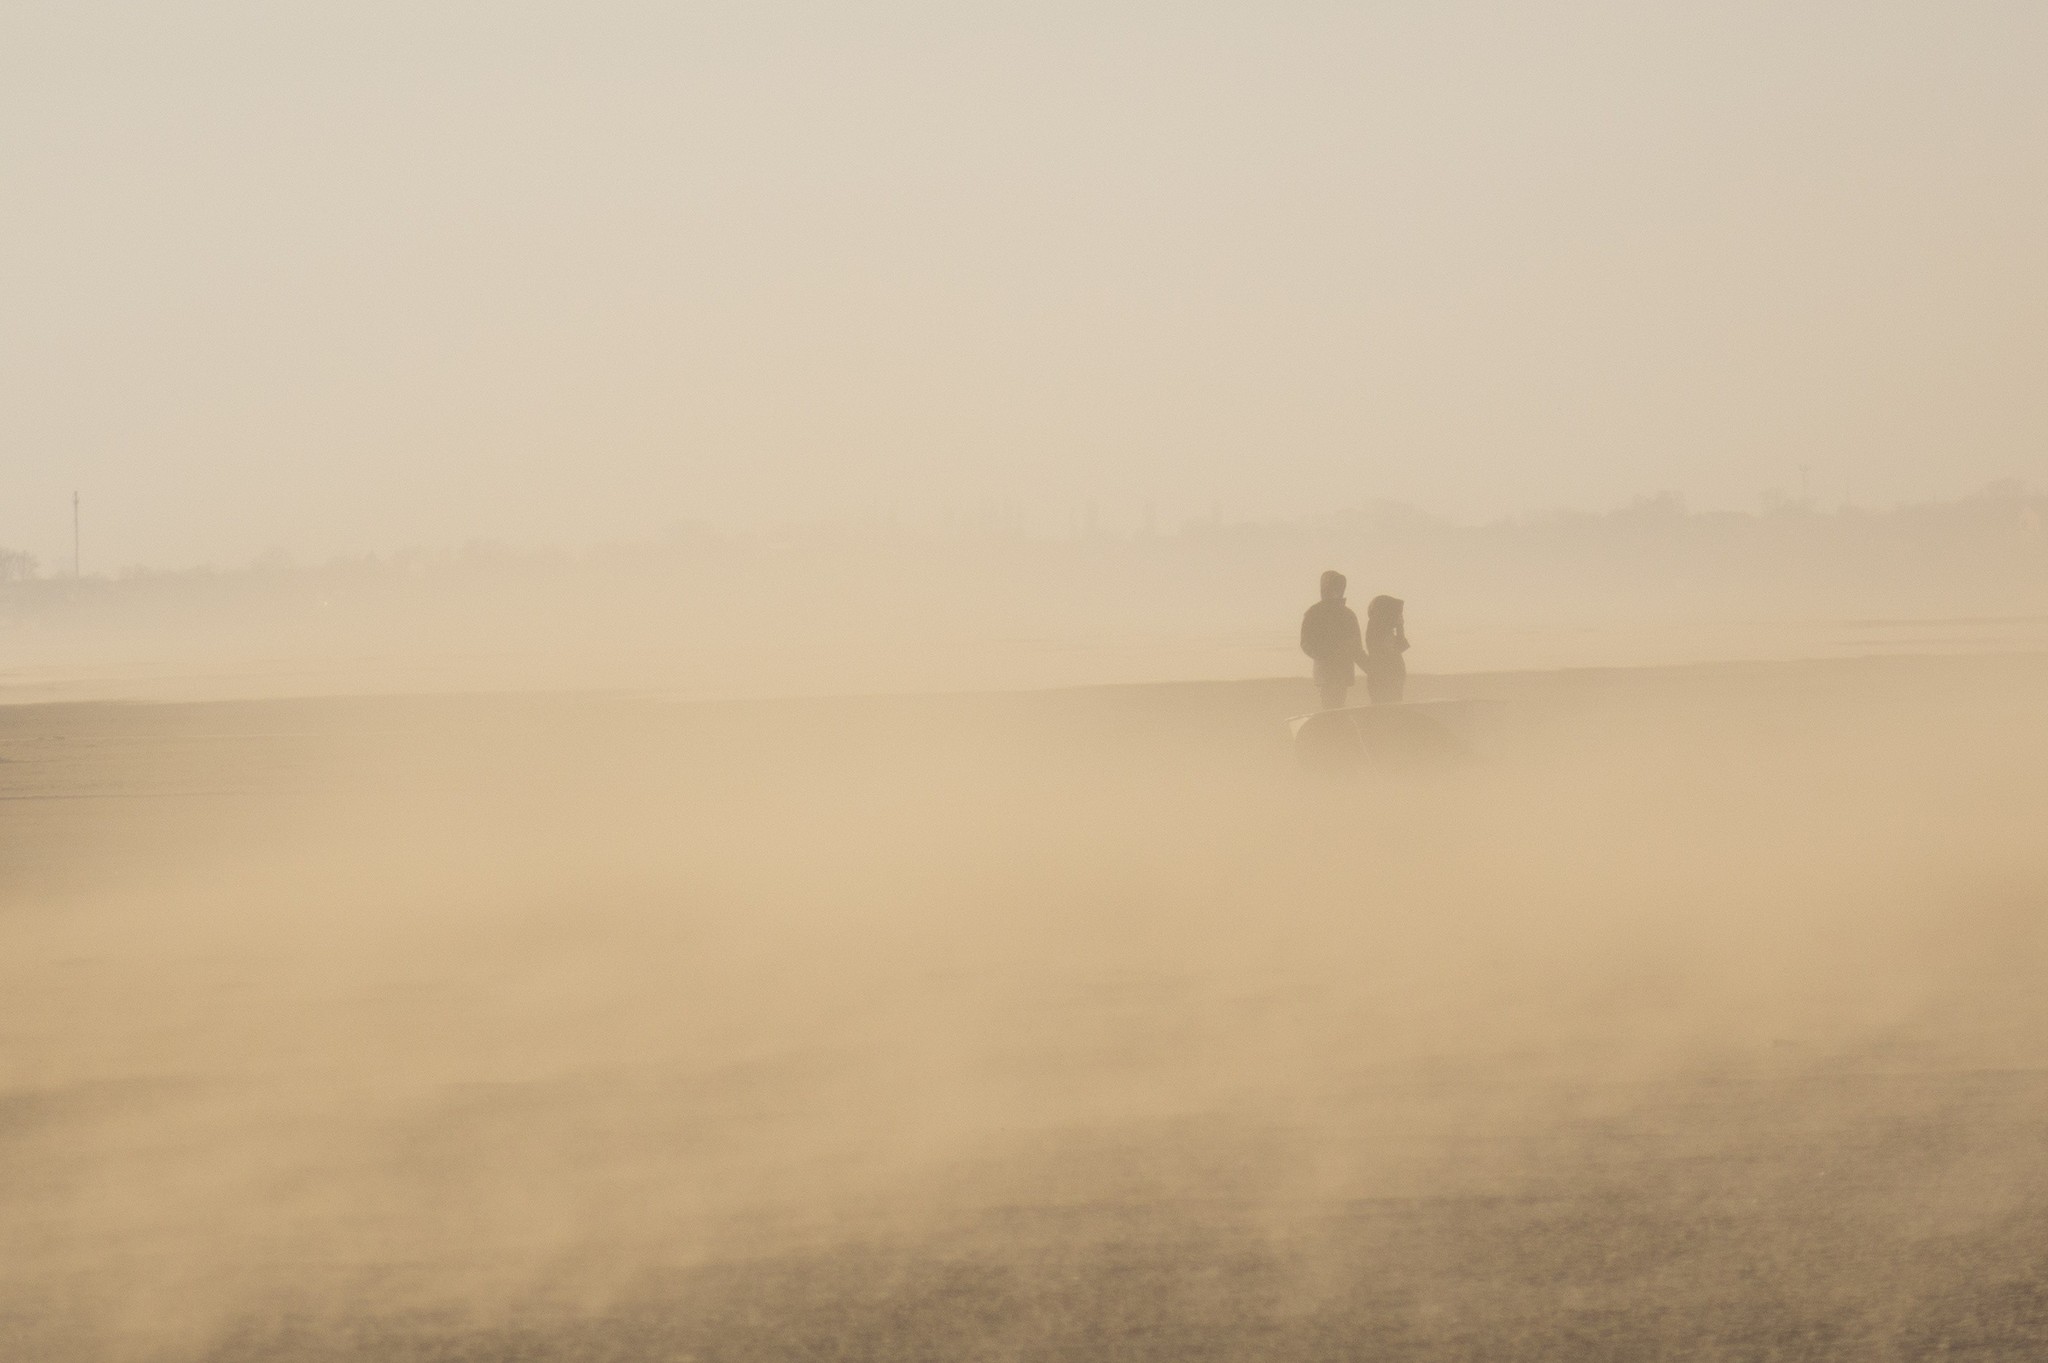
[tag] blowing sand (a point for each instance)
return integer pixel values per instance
(1697, 1015)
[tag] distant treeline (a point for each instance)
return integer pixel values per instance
(1982, 554)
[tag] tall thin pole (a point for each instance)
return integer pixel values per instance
(74, 535)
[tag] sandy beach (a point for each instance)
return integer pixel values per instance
(1694, 1014)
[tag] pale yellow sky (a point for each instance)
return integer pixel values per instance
(338, 277)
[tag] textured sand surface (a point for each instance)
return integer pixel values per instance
(1697, 1015)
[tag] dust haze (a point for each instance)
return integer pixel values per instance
(996, 601)
(647, 655)
(1690, 1012)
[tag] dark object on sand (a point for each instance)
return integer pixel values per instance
(1383, 735)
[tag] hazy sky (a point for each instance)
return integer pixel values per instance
(347, 276)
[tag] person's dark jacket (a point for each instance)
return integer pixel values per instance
(1329, 634)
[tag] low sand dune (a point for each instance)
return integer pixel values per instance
(1696, 1015)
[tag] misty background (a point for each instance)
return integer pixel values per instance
(363, 279)
(989, 604)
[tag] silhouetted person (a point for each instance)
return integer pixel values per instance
(1386, 639)
(1329, 634)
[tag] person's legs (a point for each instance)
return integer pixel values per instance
(1332, 689)
(1384, 685)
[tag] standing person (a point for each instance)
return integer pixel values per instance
(1329, 634)
(1386, 639)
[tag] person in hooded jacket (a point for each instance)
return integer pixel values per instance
(1386, 639)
